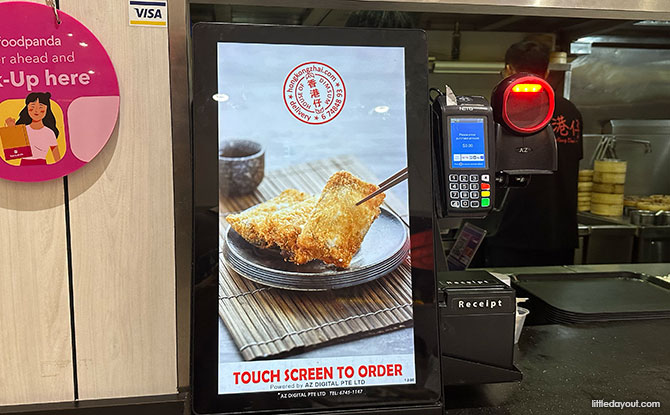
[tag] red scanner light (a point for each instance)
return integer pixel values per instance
(527, 88)
(523, 103)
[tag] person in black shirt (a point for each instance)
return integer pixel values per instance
(539, 222)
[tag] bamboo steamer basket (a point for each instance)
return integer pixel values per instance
(608, 188)
(630, 201)
(609, 166)
(607, 210)
(583, 196)
(607, 198)
(585, 176)
(660, 198)
(584, 187)
(653, 206)
(609, 171)
(610, 178)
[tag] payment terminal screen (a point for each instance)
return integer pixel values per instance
(467, 142)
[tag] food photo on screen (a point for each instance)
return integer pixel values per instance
(315, 288)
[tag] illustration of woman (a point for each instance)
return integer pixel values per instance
(41, 127)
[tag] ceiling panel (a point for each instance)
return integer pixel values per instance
(570, 28)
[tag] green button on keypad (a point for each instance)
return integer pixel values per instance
(486, 202)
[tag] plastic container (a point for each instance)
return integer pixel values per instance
(521, 314)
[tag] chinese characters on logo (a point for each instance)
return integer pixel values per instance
(564, 132)
(314, 93)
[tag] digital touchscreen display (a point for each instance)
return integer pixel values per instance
(467, 142)
(315, 293)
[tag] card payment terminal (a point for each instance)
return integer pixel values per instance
(465, 153)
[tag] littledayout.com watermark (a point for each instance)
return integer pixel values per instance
(601, 403)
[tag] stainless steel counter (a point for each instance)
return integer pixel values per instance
(588, 218)
(603, 240)
(615, 240)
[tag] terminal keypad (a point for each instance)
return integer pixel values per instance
(469, 191)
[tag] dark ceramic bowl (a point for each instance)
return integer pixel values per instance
(241, 167)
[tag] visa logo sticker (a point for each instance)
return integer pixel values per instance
(147, 13)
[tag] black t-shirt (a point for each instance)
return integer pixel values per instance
(543, 215)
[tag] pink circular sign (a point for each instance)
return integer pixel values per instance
(59, 95)
(314, 93)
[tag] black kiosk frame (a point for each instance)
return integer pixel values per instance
(425, 393)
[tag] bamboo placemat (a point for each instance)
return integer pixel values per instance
(268, 322)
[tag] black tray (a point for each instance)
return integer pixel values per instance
(556, 317)
(591, 297)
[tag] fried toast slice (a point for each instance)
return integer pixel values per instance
(282, 228)
(336, 227)
(249, 223)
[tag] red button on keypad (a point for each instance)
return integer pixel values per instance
(486, 186)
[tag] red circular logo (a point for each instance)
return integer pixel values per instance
(314, 93)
